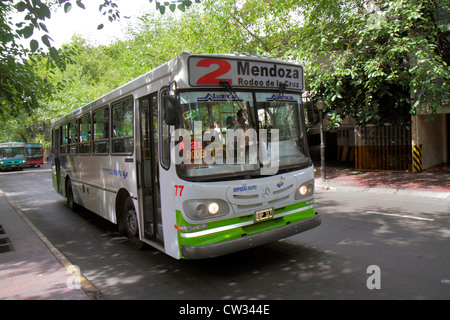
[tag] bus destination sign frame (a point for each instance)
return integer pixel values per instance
(212, 71)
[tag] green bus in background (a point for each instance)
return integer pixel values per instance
(12, 156)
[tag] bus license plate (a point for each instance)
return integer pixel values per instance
(264, 214)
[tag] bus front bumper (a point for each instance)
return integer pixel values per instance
(250, 241)
(11, 165)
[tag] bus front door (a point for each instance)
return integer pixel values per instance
(149, 188)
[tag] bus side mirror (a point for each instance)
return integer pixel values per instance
(171, 104)
(171, 110)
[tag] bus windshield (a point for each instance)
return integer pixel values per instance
(231, 135)
(34, 152)
(12, 153)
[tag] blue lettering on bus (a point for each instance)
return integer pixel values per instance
(115, 172)
(244, 188)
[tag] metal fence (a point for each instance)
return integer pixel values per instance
(383, 148)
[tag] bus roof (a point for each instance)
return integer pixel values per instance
(12, 145)
(244, 71)
(33, 145)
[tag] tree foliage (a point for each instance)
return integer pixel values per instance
(376, 61)
(99, 69)
(21, 89)
(18, 83)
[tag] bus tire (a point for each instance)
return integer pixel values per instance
(70, 198)
(131, 224)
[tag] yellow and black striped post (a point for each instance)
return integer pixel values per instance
(417, 158)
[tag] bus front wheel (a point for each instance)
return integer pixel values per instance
(131, 224)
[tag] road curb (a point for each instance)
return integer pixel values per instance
(90, 290)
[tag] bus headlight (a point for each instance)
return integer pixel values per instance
(213, 208)
(204, 209)
(200, 211)
(305, 190)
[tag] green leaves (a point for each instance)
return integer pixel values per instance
(46, 40)
(36, 13)
(366, 63)
(67, 7)
(173, 6)
(20, 87)
(34, 45)
(80, 4)
(27, 31)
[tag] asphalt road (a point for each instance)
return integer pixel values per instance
(369, 246)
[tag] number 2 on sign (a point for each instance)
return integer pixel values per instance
(177, 187)
(213, 77)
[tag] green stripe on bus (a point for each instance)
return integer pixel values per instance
(239, 231)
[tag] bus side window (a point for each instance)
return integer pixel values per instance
(73, 137)
(85, 134)
(101, 131)
(63, 139)
(122, 126)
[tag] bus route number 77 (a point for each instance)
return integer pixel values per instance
(180, 188)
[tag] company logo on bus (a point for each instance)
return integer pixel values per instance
(115, 172)
(276, 97)
(245, 188)
(219, 97)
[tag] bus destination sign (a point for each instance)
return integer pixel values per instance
(204, 71)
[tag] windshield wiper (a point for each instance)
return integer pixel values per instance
(281, 92)
(230, 89)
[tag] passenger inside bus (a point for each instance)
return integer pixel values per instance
(241, 119)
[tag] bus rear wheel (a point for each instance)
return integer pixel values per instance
(131, 224)
(70, 198)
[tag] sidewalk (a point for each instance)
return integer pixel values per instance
(30, 267)
(432, 183)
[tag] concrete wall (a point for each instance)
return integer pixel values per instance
(432, 135)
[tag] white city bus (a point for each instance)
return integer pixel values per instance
(203, 156)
